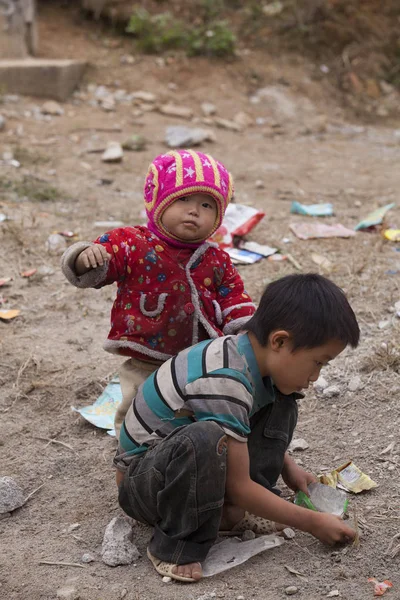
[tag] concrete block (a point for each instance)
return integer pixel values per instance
(48, 78)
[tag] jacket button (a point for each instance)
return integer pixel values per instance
(189, 308)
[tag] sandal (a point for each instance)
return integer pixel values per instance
(164, 569)
(259, 525)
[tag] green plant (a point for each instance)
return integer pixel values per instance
(214, 40)
(155, 33)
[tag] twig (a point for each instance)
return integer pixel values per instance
(34, 492)
(60, 564)
(105, 129)
(54, 441)
(294, 262)
(389, 548)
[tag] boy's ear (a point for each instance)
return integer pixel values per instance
(279, 339)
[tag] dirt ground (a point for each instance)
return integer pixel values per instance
(52, 358)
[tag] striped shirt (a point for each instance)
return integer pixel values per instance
(216, 380)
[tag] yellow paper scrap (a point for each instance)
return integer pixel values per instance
(353, 479)
(9, 314)
(393, 235)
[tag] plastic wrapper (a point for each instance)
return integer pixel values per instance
(323, 498)
(239, 220)
(375, 217)
(309, 231)
(312, 210)
(352, 479)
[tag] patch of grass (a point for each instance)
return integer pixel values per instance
(31, 188)
(383, 359)
(161, 32)
(29, 157)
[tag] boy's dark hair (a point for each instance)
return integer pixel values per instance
(313, 309)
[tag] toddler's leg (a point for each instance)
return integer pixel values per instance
(179, 487)
(271, 433)
(132, 374)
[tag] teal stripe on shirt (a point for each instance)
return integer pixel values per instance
(195, 361)
(154, 401)
(229, 420)
(227, 372)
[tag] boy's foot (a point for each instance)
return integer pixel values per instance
(189, 573)
(246, 521)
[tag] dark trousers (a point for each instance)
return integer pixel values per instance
(178, 485)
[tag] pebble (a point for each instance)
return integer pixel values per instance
(288, 533)
(52, 108)
(331, 391)
(124, 592)
(118, 548)
(239, 597)
(259, 184)
(144, 96)
(227, 124)
(354, 383)
(291, 590)
(208, 109)
(320, 385)
(11, 495)
(113, 153)
(73, 527)
(2, 122)
(178, 136)
(136, 143)
(68, 592)
(56, 244)
(87, 558)
(248, 535)
(108, 104)
(333, 594)
(243, 120)
(167, 579)
(298, 444)
(173, 110)
(383, 324)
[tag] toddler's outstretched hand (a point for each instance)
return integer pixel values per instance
(91, 258)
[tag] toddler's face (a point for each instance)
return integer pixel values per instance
(190, 218)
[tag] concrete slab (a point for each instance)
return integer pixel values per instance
(47, 78)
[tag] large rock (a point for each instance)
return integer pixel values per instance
(11, 495)
(178, 136)
(118, 548)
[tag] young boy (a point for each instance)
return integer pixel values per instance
(174, 287)
(206, 437)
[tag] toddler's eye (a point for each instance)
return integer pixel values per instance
(207, 205)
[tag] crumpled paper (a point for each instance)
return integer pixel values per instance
(102, 412)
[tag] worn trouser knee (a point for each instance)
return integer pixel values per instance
(179, 487)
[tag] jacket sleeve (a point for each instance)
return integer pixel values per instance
(235, 303)
(117, 243)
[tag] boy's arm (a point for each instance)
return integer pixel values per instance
(236, 305)
(245, 493)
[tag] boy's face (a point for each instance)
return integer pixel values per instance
(190, 218)
(293, 371)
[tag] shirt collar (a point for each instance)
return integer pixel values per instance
(263, 387)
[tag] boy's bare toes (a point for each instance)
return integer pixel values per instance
(191, 570)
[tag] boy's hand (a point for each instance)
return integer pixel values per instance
(295, 477)
(91, 258)
(331, 529)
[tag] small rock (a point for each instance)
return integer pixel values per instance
(108, 104)
(173, 110)
(331, 391)
(320, 385)
(291, 590)
(178, 136)
(248, 535)
(383, 324)
(167, 579)
(117, 548)
(288, 533)
(239, 597)
(243, 120)
(87, 558)
(354, 383)
(227, 124)
(333, 594)
(397, 309)
(55, 244)
(73, 527)
(127, 59)
(2, 122)
(144, 96)
(113, 153)
(11, 495)
(298, 444)
(136, 143)
(52, 108)
(68, 592)
(208, 109)
(259, 184)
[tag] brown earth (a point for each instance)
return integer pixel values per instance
(51, 355)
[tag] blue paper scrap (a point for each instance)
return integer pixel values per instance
(312, 210)
(102, 412)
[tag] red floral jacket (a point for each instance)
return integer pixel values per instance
(167, 299)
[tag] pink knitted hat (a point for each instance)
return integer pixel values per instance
(181, 173)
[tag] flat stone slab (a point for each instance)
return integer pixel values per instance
(48, 78)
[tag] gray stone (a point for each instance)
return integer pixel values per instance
(227, 124)
(51, 78)
(331, 391)
(108, 104)
(208, 109)
(291, 590)
(178, 136)
(87, 558)
(320, 385)
(243, 120)
(288, 533)
(144, 96)
(55, 244)
(136, 143)
(354, 383)
(113, 153)
(68, 592)
(118, 548)
(2, 122)
(52, 108)
(11, 495)
(248, 535)
(298, 444)
(173, 110)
